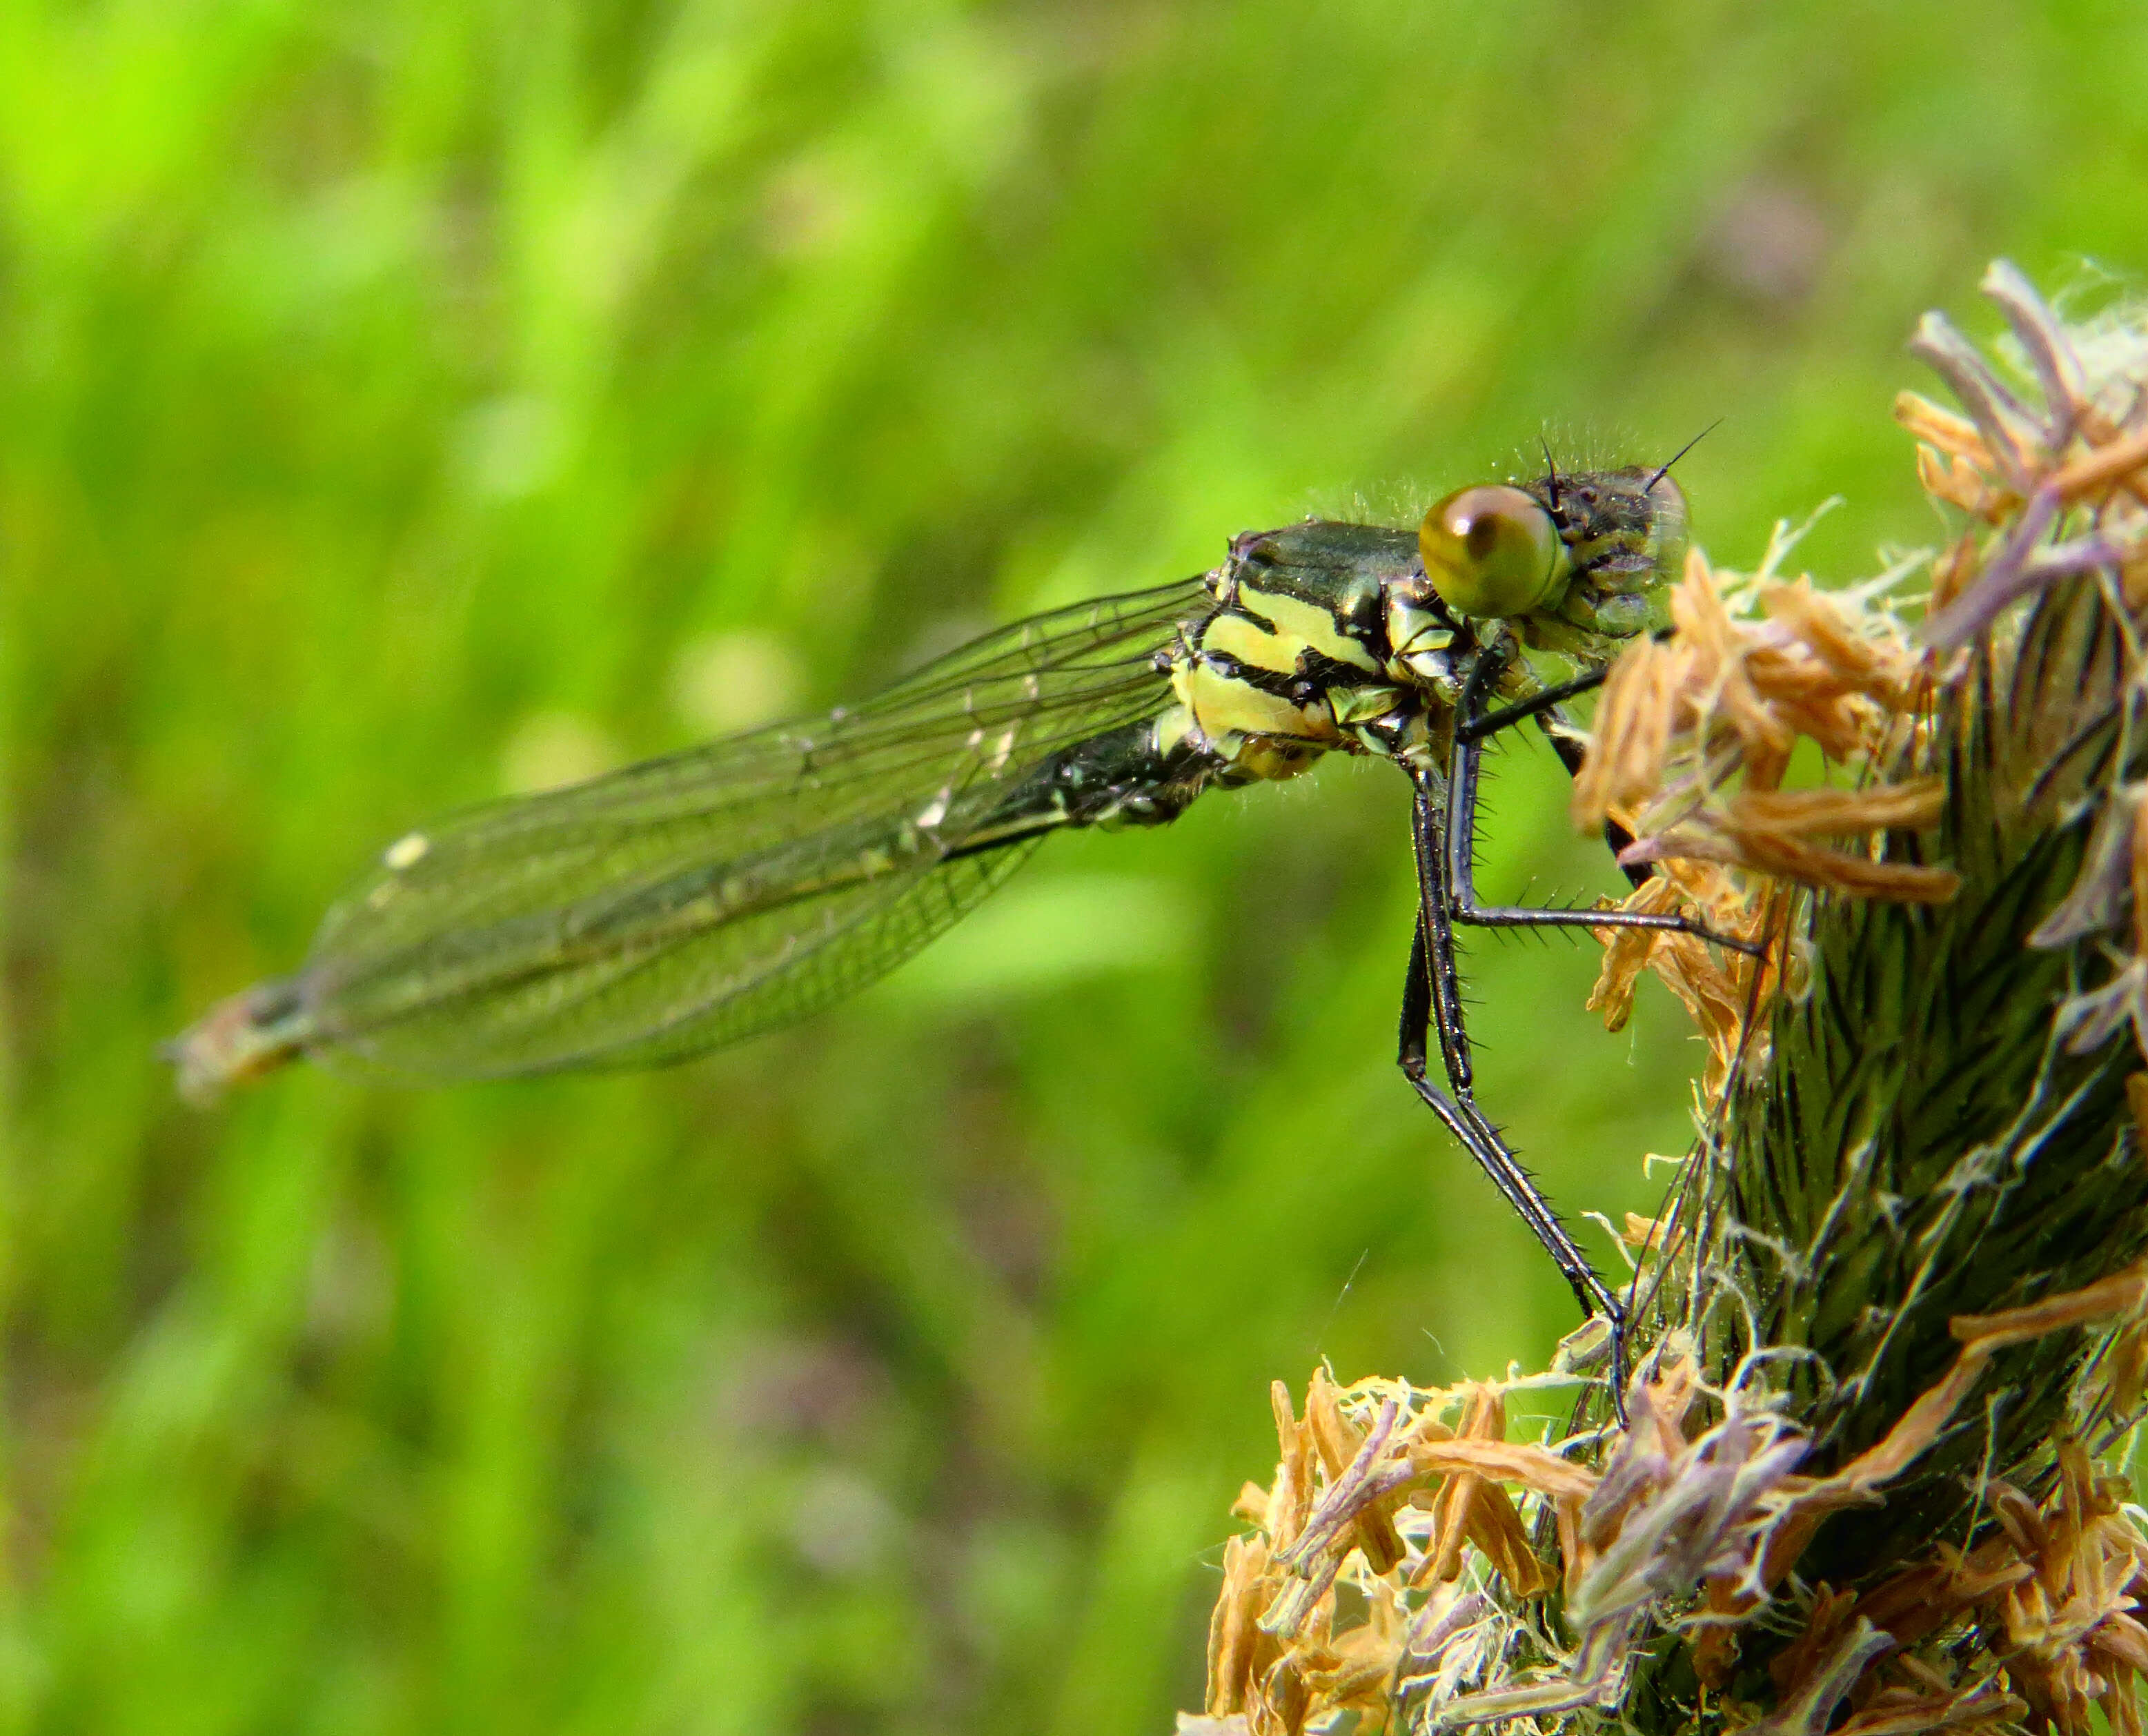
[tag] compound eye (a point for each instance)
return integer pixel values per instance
(1492, 550)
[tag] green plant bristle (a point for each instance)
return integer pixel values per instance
(1921, 1139)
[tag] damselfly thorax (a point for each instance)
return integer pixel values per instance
(1327, 636)
(672, 906)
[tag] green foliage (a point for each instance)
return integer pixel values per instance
(401, 402)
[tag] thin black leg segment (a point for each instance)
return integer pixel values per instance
(1545, 708)
(1463, 770)
(1475, 726)
(1432, 1003)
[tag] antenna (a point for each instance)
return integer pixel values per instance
(1681, 453)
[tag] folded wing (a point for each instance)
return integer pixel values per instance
(696, 900)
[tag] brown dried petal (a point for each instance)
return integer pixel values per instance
(1958, 483)
(1337, 1438)
(1955, 572)
(1627, 749)
(2120, 460)
(1627, 951)
(1882, 670)
(1913, 804)
(1291, 1500)
(1935, 425)
(2123, 1640)
(1858, 876)
(1233, 1637)
(1497, 1530)
(1895, 1715)
(1534, 1467)
(1359, 1671)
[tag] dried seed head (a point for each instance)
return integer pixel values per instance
(1684, 1540)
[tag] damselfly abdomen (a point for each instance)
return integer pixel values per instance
(697, 900)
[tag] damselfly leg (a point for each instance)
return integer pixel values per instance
(1443, 834)
(1431, 1006)
(1472, 728)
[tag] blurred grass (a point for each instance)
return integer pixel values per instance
(405, 402)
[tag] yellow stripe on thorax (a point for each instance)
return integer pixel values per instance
(1264, 734)
(1222, 706)
(1239, 636)
(1306, 625)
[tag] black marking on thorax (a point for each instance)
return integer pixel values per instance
(1316, 674)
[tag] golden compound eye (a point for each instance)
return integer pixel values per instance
(1492, 550)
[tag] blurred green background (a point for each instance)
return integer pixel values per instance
(406, 403)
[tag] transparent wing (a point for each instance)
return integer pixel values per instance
(696, 900)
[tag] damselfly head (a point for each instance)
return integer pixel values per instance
(1624, 535)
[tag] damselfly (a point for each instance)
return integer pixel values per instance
(699, 899)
